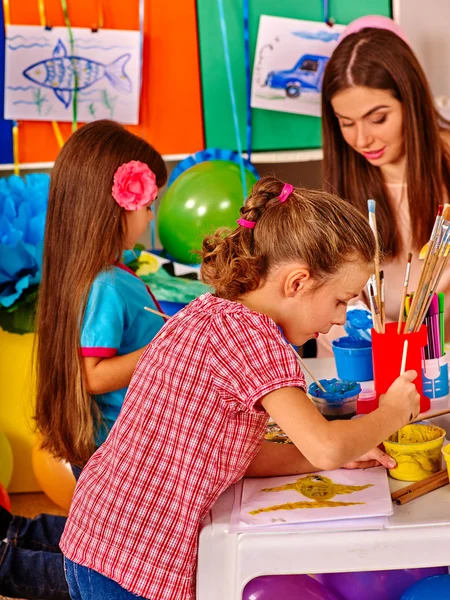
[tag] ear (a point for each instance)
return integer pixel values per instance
(296, 281)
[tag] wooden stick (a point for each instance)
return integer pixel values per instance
(405, 293)
(425, 416)
(302, 364)
(405, 353)
(156, 312)
(416, 490)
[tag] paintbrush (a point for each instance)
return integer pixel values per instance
(405, 293)
(371, 205)
(382, 304)
(404, 355)
(374, 307)
(441, 264)
(156, 312)
(425, 416)
(419, 295)
(302, 364)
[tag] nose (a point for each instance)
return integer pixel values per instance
(341, 317)
(363, 137)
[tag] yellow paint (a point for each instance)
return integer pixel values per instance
(446, 453)
(417, 450)
(320, 489)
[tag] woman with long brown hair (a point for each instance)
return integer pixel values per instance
(91, 324)
(384, 139)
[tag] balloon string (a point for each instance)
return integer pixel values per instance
(226, 50)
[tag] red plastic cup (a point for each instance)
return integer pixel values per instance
(387, 349)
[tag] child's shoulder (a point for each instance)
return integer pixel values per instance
(229, 314)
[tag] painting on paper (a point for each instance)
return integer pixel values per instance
(290, 60)
(324, 496)
(45, 73)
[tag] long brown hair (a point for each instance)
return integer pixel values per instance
(84, 234)
(379, 59)
(310, 226)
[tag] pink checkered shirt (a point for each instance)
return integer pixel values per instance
(190, 425)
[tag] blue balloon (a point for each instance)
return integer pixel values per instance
(289, 587)
(432, 588)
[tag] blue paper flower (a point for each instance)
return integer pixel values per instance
(23, 206)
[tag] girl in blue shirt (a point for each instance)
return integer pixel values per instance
(91, 324)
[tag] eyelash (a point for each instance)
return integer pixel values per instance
(379, 122)
(339, 302)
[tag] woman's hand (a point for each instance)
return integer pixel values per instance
(373, 458)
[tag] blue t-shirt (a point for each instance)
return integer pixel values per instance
(115, 323)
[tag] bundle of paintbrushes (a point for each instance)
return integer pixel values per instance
(376, 281)
(416, 305)
(435, 261)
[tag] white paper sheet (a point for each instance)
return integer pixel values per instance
(40, 73)
(289, 64)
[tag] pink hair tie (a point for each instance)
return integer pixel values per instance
(285, 192)
(246, 224)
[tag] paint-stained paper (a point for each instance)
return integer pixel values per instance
(317, 497)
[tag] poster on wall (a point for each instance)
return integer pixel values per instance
(44, 72)
(290, 61)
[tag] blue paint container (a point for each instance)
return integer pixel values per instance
(353, 358)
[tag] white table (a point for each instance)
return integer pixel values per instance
(417, 535)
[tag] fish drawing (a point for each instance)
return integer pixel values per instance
(64, 74)
(317, 487)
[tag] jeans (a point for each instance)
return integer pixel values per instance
(87, 584)
(31, 563)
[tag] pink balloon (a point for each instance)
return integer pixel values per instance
(377, 22)
(292, 587)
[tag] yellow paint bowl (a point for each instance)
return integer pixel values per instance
(417, 450)
(446, 453)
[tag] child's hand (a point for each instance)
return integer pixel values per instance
(373, 458)
(403, 397)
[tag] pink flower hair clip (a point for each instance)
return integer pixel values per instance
(134, 185)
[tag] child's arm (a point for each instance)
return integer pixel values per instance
(275, 460)
(103, 375)
(331, 444)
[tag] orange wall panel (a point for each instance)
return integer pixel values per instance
(171, 113)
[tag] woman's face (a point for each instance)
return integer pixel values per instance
(371, 122)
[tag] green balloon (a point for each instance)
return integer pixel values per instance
(202, 199)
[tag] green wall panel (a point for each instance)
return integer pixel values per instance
(271, 130)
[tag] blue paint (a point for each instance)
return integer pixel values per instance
(58, 73)
(353, 358)
(6, 145)
(336, 390)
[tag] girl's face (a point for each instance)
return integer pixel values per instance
(316, 309)
(371, 122)
(136, 222)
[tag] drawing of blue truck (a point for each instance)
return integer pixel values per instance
(306, 75)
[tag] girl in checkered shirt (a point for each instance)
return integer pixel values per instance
(194, 418)
(91, 325)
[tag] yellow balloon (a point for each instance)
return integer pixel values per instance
(6, 461)
(54, 476)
